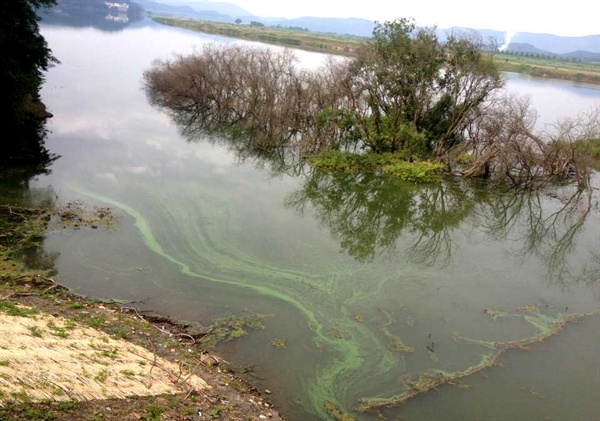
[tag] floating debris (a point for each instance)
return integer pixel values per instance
(78, 215)
(335, 414)
(394, 343)
(547, 326)
(279, 343)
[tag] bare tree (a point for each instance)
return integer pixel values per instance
(504, 143)
(404, 93)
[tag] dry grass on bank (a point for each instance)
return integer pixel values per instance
(46, 357)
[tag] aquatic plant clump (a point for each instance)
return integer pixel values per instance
(230, 328)
(390, 164)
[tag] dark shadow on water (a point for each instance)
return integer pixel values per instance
(24, 218)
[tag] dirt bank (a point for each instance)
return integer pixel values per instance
(63, 357)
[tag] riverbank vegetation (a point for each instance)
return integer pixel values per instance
(404, 97)
(548, 67)
(346, 45)
(287, 37)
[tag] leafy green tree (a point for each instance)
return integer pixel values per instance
(23, 59)
(409, 92)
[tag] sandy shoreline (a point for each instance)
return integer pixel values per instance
(73, 358)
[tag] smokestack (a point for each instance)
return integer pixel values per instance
(507, 37)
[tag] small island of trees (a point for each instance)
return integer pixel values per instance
(406, 105)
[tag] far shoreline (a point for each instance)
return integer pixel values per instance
(346, 46)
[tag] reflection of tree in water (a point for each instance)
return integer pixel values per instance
(547, 225)
(24, 216)
(368, 213)
(257, 148)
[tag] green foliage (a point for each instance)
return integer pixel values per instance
(38, 414)
(35, 331)
(101, 376)
(215, 411)
(392, 164)
(154, 413)
(593, 148)
(416, 172)
(66, 406)
(97, 322)
(465, 159)
(60, 332)
(12, 309)
(418, 94)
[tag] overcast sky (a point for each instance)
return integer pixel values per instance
(561, 17)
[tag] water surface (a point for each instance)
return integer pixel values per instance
(352, 272)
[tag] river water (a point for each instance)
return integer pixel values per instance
(360, 284)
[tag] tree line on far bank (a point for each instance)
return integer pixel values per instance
(404, 95)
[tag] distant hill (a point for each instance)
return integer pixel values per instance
(581, 56)
(585, 48)
(523, 47)
(230, 9)
(528, 49)
(559, 45)
(183, 11)
(548, 43)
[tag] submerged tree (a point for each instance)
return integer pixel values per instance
(502, 142)
(25, 56)
(403, 94)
